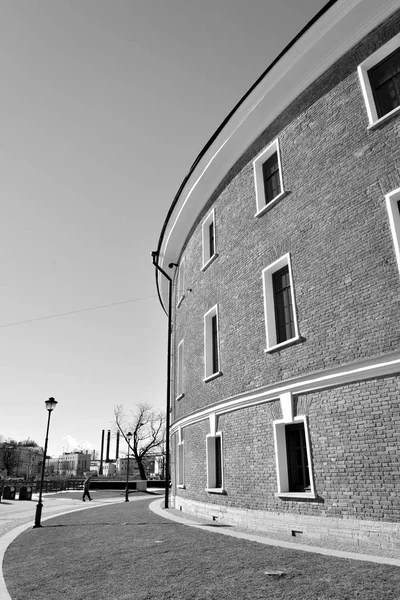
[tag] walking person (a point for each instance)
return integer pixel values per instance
(86, 487)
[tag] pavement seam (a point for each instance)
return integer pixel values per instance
(162, 512)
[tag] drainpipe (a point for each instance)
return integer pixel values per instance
(168, 409)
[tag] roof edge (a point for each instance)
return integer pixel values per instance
(211, 140)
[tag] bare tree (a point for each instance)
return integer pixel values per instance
(147, 426)
(9, 455)
(28, 443)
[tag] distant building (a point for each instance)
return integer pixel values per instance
(122, 464)
(152, 465)
(70, 464)
(109, 469)
(21, 461)
(285, 415)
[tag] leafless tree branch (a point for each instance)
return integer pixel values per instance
(147, 426)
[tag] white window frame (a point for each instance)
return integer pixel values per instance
(282, 461)
(208, 349)
(181, 282)
(207, 257)
(365, 82)
(180, 388)
(181, 460)
(269, 304)
(262, 205)
(210, 458)
(394, 219)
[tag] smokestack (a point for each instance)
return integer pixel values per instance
(101, 453)
(108, 446)
(117, 447)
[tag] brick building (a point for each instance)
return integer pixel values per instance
(285, 411)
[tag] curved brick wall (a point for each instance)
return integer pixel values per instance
(334, 223)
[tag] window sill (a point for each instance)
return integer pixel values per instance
(181, 487)
(210, 260)
(270, 204)
(296, 495)
(215, 490)
(213, 376)
(277, 347)
(180, 301)
(385, 118)
(179, 397)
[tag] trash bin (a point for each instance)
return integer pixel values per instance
(25, 493)
(9, 492)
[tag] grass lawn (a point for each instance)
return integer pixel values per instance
(124, 551)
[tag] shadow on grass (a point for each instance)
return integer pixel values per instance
(110, 524)
(213, 525)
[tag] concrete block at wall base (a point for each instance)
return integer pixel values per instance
(379, 538)
(141, 486)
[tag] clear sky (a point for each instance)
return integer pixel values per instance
(104, 106)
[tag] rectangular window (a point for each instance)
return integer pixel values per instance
(268, 178)
(283, 305)
(272, 184)
(211, 344)
(179, 372)
(181, 282)
(211, 247)
(299, 476)
(293, 462)
(379, 78)
(181, 465)
(385, 82)
(214, 462)
(214, 344)
(218, 462)
(209, 243)
(279, 304)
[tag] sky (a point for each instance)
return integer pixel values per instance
(104, 106)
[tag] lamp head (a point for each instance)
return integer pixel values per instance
(51, 403)
(129, 436)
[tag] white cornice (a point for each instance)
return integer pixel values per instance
(388, 364)
(329, 38)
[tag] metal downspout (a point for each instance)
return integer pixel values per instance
(168, 409)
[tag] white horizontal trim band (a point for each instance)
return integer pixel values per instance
(388, 364)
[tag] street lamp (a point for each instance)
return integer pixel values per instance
(50, 406)
(128, 439)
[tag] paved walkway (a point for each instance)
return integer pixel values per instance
(17, 516)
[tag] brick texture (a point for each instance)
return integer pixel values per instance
(334, 223)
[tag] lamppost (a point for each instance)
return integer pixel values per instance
(128, 439)
(50, 406)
